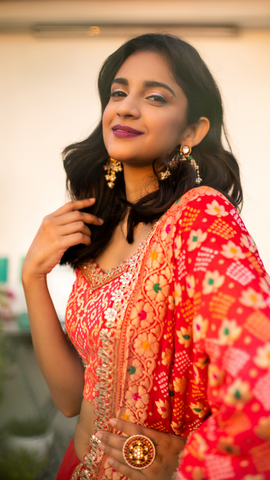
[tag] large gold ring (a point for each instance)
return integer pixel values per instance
(139, 451)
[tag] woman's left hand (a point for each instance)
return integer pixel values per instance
(167, 447)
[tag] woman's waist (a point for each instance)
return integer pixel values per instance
(84, 429)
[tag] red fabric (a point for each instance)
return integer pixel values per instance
(195, 336)
(211, 346)
(69, 463)
(85, 318)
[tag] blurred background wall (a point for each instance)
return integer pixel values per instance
(50, 56)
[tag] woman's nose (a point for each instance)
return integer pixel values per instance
(128, 107)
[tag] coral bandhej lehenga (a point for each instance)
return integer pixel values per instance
(177, 338)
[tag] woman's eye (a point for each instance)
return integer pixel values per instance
(157, 98)
(118, 93)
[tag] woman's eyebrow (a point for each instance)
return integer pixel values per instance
(153, 83)
(147, 83)
(122, 81)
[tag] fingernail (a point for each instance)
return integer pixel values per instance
(110, 460)
(101, 446)
(113, 421)
(98, 435)
(101, 221)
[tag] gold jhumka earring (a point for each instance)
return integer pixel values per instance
(182, 156)
(112, 167)
(165, 174)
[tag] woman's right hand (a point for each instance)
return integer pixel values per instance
(59, 231)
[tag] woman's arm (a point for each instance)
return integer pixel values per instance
(58, 361)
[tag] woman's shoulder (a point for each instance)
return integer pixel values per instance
(198, 200)
(203, 198)
(203, 208)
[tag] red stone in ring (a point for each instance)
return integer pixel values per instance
(139, 451)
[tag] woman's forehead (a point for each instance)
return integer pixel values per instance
(147, 66)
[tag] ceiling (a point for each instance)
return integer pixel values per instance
(245, 14)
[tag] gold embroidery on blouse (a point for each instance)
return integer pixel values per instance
(96, 277)
(75, 475)
(107, 353)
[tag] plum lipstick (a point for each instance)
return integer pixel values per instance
(122, 131)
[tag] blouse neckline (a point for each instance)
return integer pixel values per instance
(97, 277)
(129, 259)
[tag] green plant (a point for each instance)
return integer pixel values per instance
(19, 465)
(28, 427)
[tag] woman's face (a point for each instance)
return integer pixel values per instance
(146, 114)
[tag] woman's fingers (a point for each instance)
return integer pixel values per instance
(133, 429)
(74, 228)
(75, 239)
(166, 440)
(112, 439)
(77, 216)
(112, 445)
(127, 471)
(71, 206)
(66, 227)
(112, 452)
(167, 446)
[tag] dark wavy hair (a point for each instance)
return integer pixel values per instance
(84, 161)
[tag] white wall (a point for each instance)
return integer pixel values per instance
(48, 99)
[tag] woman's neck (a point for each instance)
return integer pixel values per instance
(139, 182)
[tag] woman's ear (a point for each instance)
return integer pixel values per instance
(195, 133)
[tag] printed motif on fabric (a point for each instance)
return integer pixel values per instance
(144, 330)
(192, 340)
(101, 309)
(85, 317)
(232, 327)
(186, 331)
(154, 374)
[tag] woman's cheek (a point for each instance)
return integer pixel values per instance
(105, 127)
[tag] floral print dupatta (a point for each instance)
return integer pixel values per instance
(193, 341)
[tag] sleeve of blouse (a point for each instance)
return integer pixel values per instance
(224, 280)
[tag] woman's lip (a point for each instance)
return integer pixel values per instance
(126, 129)
(125, 134)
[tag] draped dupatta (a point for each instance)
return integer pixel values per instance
(177, 352)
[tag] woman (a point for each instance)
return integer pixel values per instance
(170, 308)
